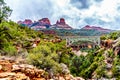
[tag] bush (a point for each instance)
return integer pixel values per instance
(88, 72)
(116, 67)
(9, 49)
(44, 56)
(77, 65)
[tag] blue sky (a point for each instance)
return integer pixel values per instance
(78, 13)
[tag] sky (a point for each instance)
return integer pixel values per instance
(77, 13)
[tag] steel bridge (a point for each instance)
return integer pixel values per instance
(72, 39)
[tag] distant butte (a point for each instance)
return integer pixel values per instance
(45, 23)
(88, 27)
(61, 25)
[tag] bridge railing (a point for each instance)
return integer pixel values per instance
(71, 39)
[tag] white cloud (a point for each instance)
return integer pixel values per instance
(102, 13)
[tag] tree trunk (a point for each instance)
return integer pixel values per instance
(0, 21)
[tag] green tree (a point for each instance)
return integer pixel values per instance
(5, 11)
(44, 57)
(76, 65)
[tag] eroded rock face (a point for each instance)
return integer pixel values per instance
(62, 21)
(61, 24)
(116, 47)
(45, 21)
(12, 70)
(89, 27)
(13, 76)
(27, 22)
(116, 42)
(117, 51)
(107, 43)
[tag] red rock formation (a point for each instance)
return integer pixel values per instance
(45, 21)
(62, 24)
(62, 21)
(107, 43)
(117, 51)
(13, 70)
(27, 21)
(88, 27)
(19, 22)
(57, 22)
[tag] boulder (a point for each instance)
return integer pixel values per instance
(12, 75)
(65, 69)
(116, 46)
(6, 74)
(116, 42)
(78, 78)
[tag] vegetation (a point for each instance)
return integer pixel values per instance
(112, 35)
(5, 11)
(11, 34)
(49, 54)
(83, 65)
(77, 32)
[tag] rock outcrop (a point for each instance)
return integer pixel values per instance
(40, 24)
(116, 46)
(12, 70)
(26, 22)
(45, 23)
(61, 25)
(88, 27)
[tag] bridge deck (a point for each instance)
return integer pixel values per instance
(71, 39)
(64, 37)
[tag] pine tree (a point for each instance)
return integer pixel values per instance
(5, 11)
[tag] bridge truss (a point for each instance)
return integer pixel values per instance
(72, 39)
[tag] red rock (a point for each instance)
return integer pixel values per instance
(61, 25)
(27, 21)
(88, 27)
(62, 21)
(6, 66)
(45, 21)
(57, 22)
(19, 22)
(6, 74)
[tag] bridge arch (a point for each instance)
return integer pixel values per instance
(72, 39)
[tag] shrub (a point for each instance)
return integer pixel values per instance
(9, 49)
(43, 57)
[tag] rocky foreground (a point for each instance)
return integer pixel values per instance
(14, 70)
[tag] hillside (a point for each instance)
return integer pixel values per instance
(78, 32)
(61, 28)
(21, 45)
(102, 63)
